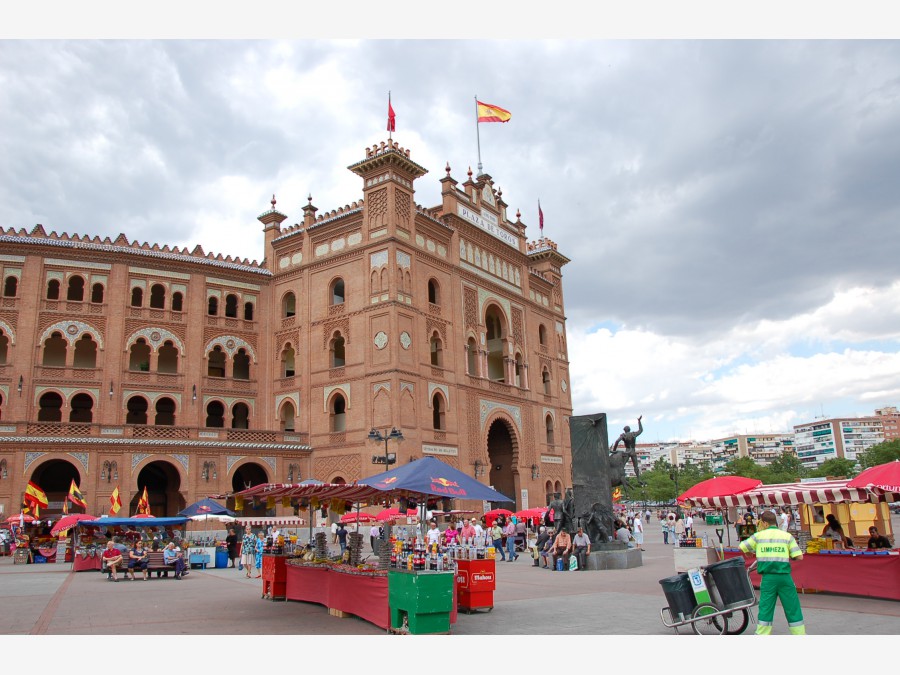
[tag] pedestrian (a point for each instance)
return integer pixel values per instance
(497, 538)
(637, 531)
(778, 548)
(479, 528)
(664, 524)
(334, 529)
(647, 516)
(342, 537)
(784, 520)
(374, 536)
(670, 523)
(248, 550)
(689, 525)
(231, 544)
(510, 532)
(679, 529)
(258, 550)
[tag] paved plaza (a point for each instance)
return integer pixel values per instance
(50, 600)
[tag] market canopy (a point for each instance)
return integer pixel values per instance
(432, 477)
(206, 507)
(719, 486)
(879, 479)
(789, 494)
(323, 491)
(67, 522)
(104, 521)
(265, 521)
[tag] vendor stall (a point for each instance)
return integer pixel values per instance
(91, 536)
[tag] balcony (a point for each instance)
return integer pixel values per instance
(155, 315)
(226, 385)
(172, 381)
(44, 375)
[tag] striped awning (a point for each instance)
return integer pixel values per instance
(790, 494)
(363, 494)
(289, 521)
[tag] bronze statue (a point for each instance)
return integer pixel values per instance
(563, 513)
(592, 522)
(618, 460)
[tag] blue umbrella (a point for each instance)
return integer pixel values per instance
(432, 477)
(206, 507)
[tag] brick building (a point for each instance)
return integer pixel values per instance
(130, 365)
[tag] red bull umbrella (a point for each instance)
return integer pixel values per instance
(432, 477)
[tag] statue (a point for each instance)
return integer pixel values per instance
(592, 522)
(618, 460)
(563, 513)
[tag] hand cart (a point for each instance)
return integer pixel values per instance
(710, 607)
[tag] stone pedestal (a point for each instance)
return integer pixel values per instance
(613, 556)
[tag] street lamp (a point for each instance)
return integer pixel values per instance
(377, 436)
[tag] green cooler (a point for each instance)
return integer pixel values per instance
(421, 600)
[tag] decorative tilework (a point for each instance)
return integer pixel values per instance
(486, 407)
(72, 332)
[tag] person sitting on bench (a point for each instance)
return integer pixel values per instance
(137, 559)
(113, 559)
(174, 557)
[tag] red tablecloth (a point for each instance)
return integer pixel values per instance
(362, 596)
(874, 576)
(81, 564)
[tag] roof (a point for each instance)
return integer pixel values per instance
(350, 493)
(784, 494)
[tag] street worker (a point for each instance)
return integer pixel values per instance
(774, 549)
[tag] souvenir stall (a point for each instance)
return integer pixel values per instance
(413, 587)
(854, 571)
(31, 541)
(91, 536)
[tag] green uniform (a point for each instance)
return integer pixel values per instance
(774, 549)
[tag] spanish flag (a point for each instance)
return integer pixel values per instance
(617, 494)
(75, 496)
(115, 503)
(143, 505)
(492, 113)
(34, 495)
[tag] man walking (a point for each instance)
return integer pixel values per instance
(774, 549)
(510, 532)
(637, 530)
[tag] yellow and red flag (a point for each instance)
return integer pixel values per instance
(492, 113)
(75, 496)
(115, 502)
(35, 496)
(143, 505)
(617, 494)
(238, 503)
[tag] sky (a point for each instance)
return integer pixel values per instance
(729, 205)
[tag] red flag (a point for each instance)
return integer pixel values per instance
(488, 112)
(391, 116)
(143, 505)
(540, 217)
(115, 502)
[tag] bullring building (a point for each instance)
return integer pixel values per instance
(125, 365)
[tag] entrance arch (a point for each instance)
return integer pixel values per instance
(246, 476)
(54, 477)
(163, 483)
(503, 454)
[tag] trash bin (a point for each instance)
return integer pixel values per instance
(221, 557)
(731, 582)
(679, 595)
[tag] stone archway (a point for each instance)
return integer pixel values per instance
(502, 447)
(163, 483)
(55, 477)
(246, 476)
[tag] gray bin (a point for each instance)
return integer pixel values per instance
(731, 582)
(679, 595)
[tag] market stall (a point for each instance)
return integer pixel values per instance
(856, 571)
(91, 536)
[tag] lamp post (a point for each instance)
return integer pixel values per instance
(378, 437)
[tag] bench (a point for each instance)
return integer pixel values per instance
(121, 567)
(156, 563)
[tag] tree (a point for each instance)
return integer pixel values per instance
(746, 467)
(879, 454)
(838, 466)
(787, 468)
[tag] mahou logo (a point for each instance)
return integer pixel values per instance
(482, 576)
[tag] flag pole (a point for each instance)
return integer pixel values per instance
(478, 134)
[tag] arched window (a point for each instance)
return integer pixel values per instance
(4, 348)
(337, 350)
(518, 372)
(212, 307)
(216, 363)
(434, 292)
(215, 415)
(241, 369)
(10, 286)
(545, 377)
(287, 416)
(240, 416)
(158, 296)
(231, 305)
(248, 311)
(55, 351)
(50, 407)
(542, 335)
(437, 412)
(436, 347)
(97, 294)
(165, 412)
(338, 413)
(287, 361)
(140, 355)
(337, 292)
(81, 409)
(85, 353)
(53, 289)
(167, 358)
(177, 302)
(137, 297)
(136, 410)
(549, 428)
(472, 357)
(496, 346)
(288, 305)
(76, 289)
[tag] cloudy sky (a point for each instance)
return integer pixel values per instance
(730, 207)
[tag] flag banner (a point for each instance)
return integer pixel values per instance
(238, 503)
(392, 118)
(115, 503)
(65, 507)
(540, 216)
(37, 511)
(286, 502)
(270, 502)
(34, 495)
(143, 505)
(492, 113)
(75, 496)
